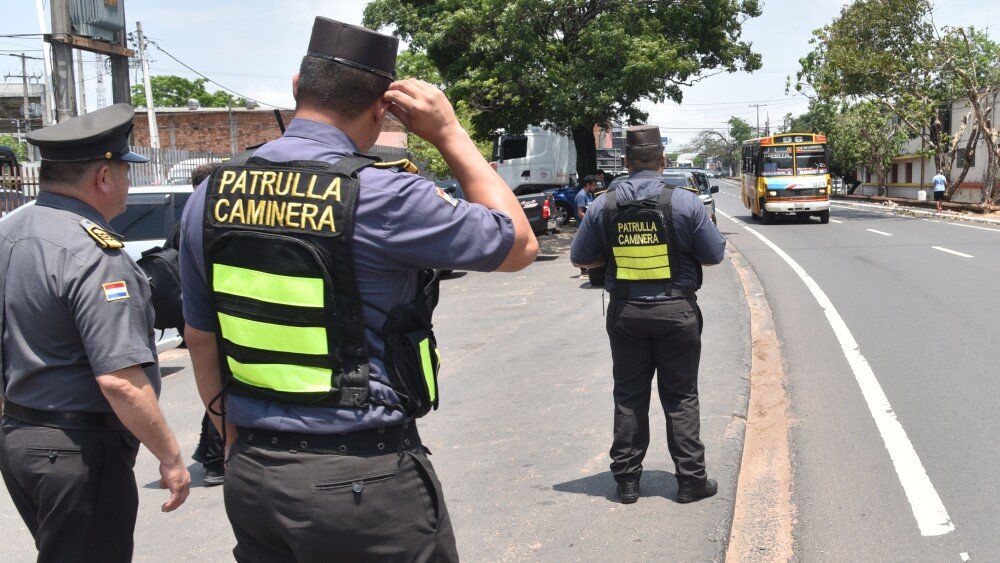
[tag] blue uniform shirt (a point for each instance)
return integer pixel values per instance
(403, 225)
(697, 238)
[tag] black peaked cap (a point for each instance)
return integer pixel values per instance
(354, 46)
(101, 134)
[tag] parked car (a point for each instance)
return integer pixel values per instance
(565, 202)
(151, 213)
(697, 178)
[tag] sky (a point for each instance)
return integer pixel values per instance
(253, 47)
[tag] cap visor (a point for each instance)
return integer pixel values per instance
(133, 157)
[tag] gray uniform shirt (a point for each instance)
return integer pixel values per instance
(697, 238)
(72, 310)
(403, 224)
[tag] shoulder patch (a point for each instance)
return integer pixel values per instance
(403, 164)
(101, 235)
(446, 196)
(114, 291)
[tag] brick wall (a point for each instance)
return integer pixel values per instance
(216, 130)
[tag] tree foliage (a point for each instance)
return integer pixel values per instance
(887, 57)
(174, 92)
(19, 148)
(723, 147)
(569, 64)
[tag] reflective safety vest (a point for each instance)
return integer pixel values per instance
(280, 266)
(639, 233)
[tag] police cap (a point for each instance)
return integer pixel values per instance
(354, 46)
(643, 136)
(101, 134)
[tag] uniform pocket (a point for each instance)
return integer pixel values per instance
(55, 453)
(431, 491)
(357, 485)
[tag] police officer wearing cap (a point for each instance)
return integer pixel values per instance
(653, 239)
(308, 305)
(80, 372)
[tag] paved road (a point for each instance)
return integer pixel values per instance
(522, 436)
(919, 299)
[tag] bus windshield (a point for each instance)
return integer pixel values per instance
(811, 159)
(776, 161)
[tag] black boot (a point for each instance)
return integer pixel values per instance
(628, 492)
(690, 490)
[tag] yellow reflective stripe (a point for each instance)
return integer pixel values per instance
(650, 274)
(274, 337)
(639, 251)
(262, 286)
(282, 377)
(428, 367)
(642, 263)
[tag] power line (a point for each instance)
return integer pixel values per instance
(230, 90)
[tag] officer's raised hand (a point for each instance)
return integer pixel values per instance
(423, 109)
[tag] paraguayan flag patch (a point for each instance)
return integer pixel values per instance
(113, 291)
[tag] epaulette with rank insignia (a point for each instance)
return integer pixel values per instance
(402, 163)
(104, 238)
(690, 189)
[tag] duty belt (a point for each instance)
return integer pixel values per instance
(652, 292)
(365, 442)
(67, 420)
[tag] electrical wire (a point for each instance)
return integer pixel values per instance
(227, 89)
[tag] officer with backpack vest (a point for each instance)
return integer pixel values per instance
(653, 240)
(308, 297)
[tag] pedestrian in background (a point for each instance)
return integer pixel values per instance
(583, 199)
(81, 376)
(308, 294)
(653, 239)
(940, 184)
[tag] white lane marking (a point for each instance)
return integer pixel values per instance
(932, 220)
(930, 513)
(836, 221)
(975, 227)
(964, 555)
(883, 233)
(955, 252)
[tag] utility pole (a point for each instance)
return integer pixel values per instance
(63, 82)
(154, 133)
(81, 88)
(48, 102)
(758, 106)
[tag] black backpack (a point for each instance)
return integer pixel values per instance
(162, 267)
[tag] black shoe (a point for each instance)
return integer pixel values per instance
(214, 475)
(628, 492)
(690, 490)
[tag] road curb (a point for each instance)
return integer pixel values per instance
(764, 514)
(914, 212)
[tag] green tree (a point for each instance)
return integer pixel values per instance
(724, 147)
(568, 64)
(20, 150)
(891, 54)
(414, 64)
(174, 92)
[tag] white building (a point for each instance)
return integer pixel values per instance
(909, 173)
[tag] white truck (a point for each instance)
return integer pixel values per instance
(535, 160)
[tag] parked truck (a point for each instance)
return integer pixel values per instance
(532, 164)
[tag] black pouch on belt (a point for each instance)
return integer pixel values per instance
(411, 349)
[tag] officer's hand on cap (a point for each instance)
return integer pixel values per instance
(175, 477)
(423, 109)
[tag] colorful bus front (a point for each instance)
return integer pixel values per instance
(787, 174)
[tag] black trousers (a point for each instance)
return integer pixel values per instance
(665, 337)
(293, 506)
(74, 489)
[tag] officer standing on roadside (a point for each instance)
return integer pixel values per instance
(305, 294)
(653, 240)
(80, 372)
